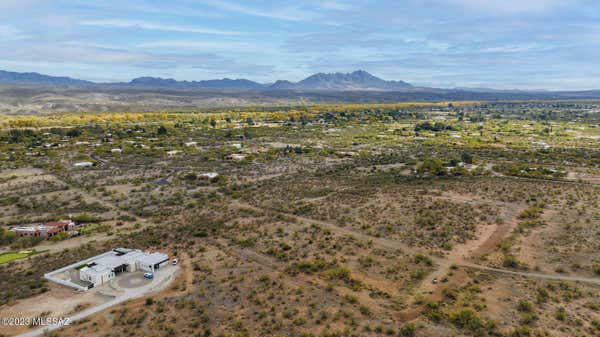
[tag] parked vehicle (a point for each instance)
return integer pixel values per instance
(174, 262)
(149, 275)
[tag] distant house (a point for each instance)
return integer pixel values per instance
(44, 231)
(208, 175)
(119, 151)
(30, 231)
(236, 156)
(36, 231)
(188, 144)
(84, 164)
(63, 225)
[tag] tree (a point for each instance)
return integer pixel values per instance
(75, 132)
(161, 130)
(435, 127)
(432, 166)
(7, 237)
(466, 158)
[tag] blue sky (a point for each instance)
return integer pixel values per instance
(527, 44)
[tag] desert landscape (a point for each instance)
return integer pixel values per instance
(407, 219)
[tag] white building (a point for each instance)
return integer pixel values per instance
(84, 164)
(151, 262)
(96, 275)
(208, 175)
(107, 266)
(236, 156)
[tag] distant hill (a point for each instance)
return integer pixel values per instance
(357, 86)
(9, 77)
(358, 80)
(283, 84)
(225, 83)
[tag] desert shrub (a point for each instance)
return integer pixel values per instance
(309, 267)
(407, 330)
(542, 295)
(435, 127)
(524, 306)
(432, 166)
(510, 261)
(7, 237)
(420, 258)
(532, 212)
(86, 218)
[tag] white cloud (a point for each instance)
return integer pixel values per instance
(286, 14)
(8, 5)
(156, 26)
(510, 6)
(335, 5)
(10, 33)
(211, 45)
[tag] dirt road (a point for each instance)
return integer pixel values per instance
(442, 263)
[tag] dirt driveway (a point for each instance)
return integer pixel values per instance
(123, 289)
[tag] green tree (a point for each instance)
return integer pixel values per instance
(466, 158)
(162, 130)
(432, 166)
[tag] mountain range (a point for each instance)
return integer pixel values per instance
(359, 80)
(358, 85)
(9, 77)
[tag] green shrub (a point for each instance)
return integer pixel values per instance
(510, 262)
(524, 306)
(407, 330)
(85, 218)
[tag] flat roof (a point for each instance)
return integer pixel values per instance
(32, 228)
(154, 258)
(122, 256)
(110, 261)
(95, 269)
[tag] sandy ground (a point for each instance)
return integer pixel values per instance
(583, 176)
(60, 301)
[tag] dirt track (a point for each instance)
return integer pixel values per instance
(457, 257)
